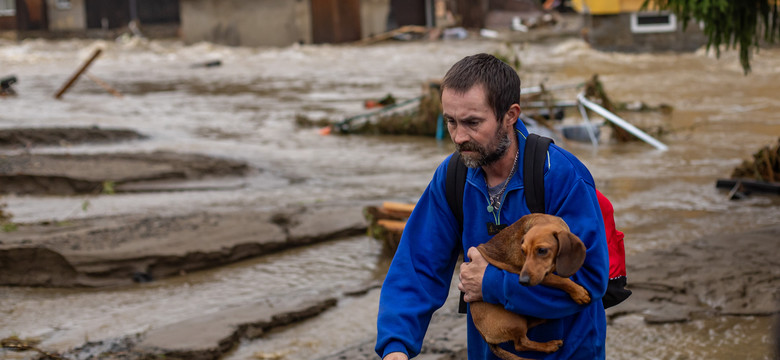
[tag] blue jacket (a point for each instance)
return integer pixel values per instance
(419, 277)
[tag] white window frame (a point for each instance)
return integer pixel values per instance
(63, 4)
(670, 26)
(7, 8)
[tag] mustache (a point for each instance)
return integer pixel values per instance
(467, 146)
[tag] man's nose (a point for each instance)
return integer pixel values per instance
(459, 135)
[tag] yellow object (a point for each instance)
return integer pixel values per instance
(606, 7)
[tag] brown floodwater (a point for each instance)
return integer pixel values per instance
(245, 109)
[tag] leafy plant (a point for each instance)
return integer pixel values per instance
(741, 24)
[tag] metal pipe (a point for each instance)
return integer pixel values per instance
(585, 117)
(620, 122)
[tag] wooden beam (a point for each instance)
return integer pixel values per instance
(78, 73)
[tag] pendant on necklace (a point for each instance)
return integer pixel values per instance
(490, 208)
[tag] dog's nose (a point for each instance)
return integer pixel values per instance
(525, 279)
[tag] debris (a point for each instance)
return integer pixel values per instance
(208, 64)
(104, 85)
(487, 33)
(5, 86)
(14, 343)
(385, 101)
(78, 73)
(456, 33)
(386, 223)
(408, 29)
(762, 174)
(765, 165)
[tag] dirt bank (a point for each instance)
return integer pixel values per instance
(67, 174)
(19, 138)
(120, 250)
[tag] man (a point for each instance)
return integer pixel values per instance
(480, 96)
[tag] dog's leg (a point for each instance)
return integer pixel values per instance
(526, 344)
(576, 291)
(503, 354)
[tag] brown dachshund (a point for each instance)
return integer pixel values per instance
(533, 247)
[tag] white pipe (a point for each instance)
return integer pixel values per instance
(622, 123)
(585, 117)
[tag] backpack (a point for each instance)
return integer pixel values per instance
(533, 180)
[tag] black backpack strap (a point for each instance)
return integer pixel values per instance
(453, 189)
(533, 171)
(455, 182)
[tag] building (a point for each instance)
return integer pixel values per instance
(229, 22)
(284, 22)
(622, 25)
(59, 18)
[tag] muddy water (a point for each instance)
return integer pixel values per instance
(245, 109)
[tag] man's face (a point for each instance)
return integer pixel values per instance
(473, 127)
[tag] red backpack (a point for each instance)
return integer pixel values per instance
(533, 180)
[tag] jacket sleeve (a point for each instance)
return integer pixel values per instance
(420, 274)
(572, 197)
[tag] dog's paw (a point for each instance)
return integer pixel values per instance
(581, 296)
(553, 346)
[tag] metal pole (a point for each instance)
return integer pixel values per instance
(622, 123)
(585, 117)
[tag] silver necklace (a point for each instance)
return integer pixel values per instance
(495, 201)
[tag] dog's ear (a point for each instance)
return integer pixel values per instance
(571, 254)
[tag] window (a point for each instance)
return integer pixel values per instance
(7, 7)
(653, 22)
(63, 4)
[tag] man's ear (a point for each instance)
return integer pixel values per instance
(512, 114)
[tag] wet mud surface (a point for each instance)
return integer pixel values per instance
(68, 174)
(19, 138)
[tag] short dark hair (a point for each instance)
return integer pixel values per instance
(501, 82)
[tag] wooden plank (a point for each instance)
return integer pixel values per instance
(78, 73)
(392, 225)
(398, 208)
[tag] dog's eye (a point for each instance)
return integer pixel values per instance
(541, 251)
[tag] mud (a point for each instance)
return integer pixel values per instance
(69, 174)
(19, 138)
(114, 251)
(722, 275)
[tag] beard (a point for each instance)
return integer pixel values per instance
(485, 155)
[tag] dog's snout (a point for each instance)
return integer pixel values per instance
(525, 279)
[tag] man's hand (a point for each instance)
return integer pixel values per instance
(396, 356)
(471, 274)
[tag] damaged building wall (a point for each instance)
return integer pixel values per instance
(245, 23)
(66, 15)
(616, 32)
(277, 22)
(373, 17)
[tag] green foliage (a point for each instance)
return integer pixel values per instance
(108, 187)
(9, 227)
(739, 24)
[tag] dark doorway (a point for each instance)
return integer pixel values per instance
(335, 21)
(158, 11)
(31, 15)
(406, 12)
(107, 13)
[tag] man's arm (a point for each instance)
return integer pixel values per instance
(419, 277)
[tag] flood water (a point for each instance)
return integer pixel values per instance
(245, 109)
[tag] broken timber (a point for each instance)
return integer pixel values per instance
(388, 221)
